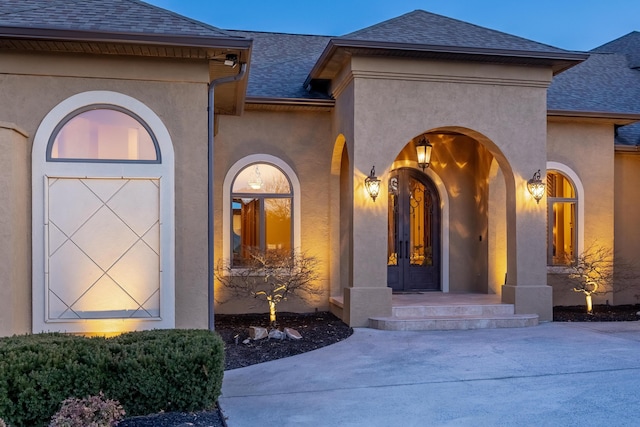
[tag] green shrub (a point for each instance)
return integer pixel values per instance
(148, 372)
(91, 411)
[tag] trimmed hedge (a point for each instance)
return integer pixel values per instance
(147, 372)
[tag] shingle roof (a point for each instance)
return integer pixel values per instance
(606, 82)
(121, 16)
(628, 45)
(280, 63)
(421, 27)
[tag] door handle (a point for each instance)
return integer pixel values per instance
(406, 249)
(400, 249)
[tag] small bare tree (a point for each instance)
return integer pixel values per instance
(593, 273)
(272, 275)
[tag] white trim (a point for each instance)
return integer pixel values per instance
(444, 226)
(41, 169)
(226, 198)
(566, 170)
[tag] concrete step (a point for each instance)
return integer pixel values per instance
(452, 310)
(458, 322)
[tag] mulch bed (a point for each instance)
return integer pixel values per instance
(601, 313)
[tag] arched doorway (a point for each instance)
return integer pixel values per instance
(414, 247)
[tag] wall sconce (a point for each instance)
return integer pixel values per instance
(372, 184)
(423, 149)
(536, 187)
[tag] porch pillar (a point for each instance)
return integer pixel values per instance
(15, 231)
(368, 294)
(526, 285)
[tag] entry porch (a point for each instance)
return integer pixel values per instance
(423, 311)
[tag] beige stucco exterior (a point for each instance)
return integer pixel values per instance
(39, 82)
(627, 232)
(302, 141)
(490, 131)
(594, 166)
(15, 250)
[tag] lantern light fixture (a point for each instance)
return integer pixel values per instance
(372, 184)
(423, 150)
(536, 187)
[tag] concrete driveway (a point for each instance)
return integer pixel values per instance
(555, 374)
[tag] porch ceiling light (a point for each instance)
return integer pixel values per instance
(536, 186)
(372, 184)
(423, 149)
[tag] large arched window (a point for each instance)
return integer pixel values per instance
(261, 208)
(103, 217)
(562, 219)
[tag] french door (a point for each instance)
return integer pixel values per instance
(413, 262)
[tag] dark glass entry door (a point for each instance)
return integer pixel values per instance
(414, 233)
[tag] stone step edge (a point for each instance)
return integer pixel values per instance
(456, 307)
(456, 317)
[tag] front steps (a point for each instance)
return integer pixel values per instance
(436, 317)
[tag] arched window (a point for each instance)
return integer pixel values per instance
(261, 211)
(103, 187)
(562, 219)
(261, 208)
(103, 134)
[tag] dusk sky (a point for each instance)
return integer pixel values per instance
(567, 24)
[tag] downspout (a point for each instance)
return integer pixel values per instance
(212, 85)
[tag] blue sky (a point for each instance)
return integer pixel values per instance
(568, 24)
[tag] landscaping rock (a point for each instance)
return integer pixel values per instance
(292, 334)
(277, 334)
(257, 333)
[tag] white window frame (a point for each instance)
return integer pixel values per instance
(43, 169)
(579, 189)
(227, 195)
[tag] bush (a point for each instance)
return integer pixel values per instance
(92, 411)
(148, 372)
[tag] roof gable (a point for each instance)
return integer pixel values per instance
(425, 28)
(628, 45)
(113, 16)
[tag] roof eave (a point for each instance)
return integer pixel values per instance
(611, 117)
(559, 61)
(57, 34)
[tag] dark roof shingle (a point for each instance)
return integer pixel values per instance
(607, 82)
(280, 63)
(425, 28)
(120, 16)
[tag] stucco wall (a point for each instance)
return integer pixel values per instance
(177, 92)
(15, 231)
(302, 140)
(587, 149)
(627, 232)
